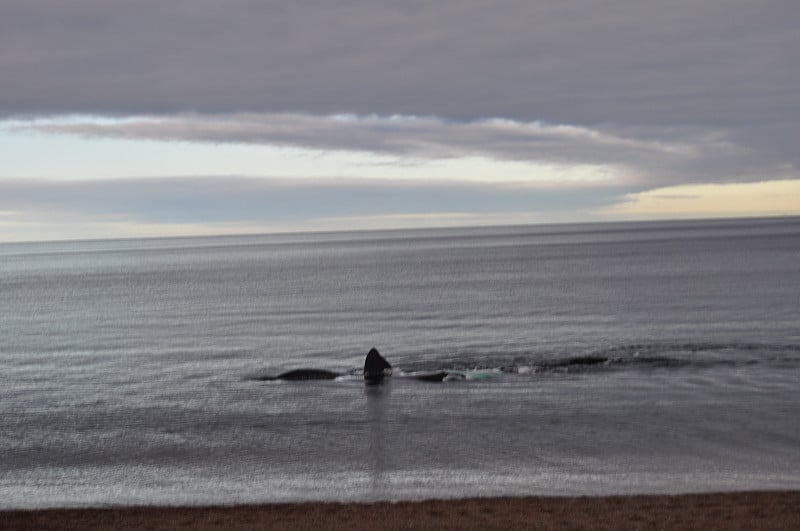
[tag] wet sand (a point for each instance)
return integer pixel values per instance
(746, 510)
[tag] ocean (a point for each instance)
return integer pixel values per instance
(657, 357)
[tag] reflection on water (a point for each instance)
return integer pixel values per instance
(377, 400)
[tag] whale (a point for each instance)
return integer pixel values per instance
(376, 369)
(438, 376)
(303, 374)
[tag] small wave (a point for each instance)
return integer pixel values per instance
(641, 356)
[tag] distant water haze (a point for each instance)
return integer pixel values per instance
(598, 359)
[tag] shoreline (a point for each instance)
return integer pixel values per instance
(728, 510)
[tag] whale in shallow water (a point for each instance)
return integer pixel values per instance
(304, 374)
(376, 368)
(438, 376)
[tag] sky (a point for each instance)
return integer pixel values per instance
(190, 117)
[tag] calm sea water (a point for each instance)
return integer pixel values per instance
(619, 358)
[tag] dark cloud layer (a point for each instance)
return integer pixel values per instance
(730, 63)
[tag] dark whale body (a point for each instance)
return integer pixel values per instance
(376, 368)
(437, 376)
(304, 374)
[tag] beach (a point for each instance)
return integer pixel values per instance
(745, 510)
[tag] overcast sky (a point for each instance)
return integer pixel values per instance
(170, 117)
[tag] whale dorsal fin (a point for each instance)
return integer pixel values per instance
(375, 366)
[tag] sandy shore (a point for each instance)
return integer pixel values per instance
(749, 510)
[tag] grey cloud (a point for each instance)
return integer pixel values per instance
(718, 76)
(408, 135)
(655, 156)
(273, 200)
(717, 62)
